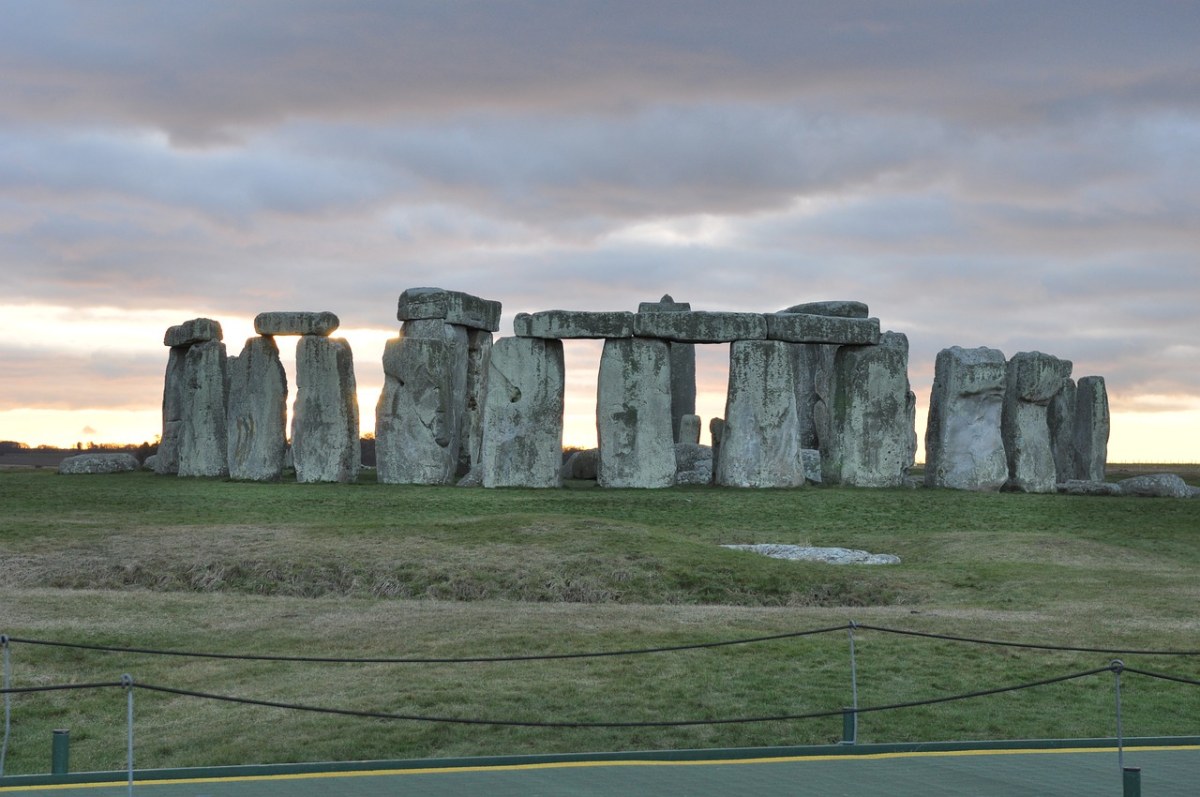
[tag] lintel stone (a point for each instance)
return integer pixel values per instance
(840, 308)
(698, 326)
(454, 307)
(808, 328)
(296, 323)
(563, 324)
(198, 330)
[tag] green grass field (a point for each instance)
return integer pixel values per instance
(372, 570)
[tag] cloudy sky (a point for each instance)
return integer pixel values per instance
(1020, 175)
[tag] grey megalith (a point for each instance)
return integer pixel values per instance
(760, 445)
(325, 445)
(963, 446)
(256, 418)
(683, 366)
(523, 414)
(1091, 427)
(633, 414)
(202, 439)
(1032, 381)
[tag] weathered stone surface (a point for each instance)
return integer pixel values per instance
(689, 429)
(760, 446)
(523, 414)
(564, 324)
(202, 437)
(693, 464)
(479, 352)
(633, 415)
(829, 556)
(839, 308)
(812, 465)
(419, 417)
(256, 434)
(802, 328)
(98, 463)
(174, 385)
(697, 326)
(296, 323)
(325, 445)
(1033, 379)
(1091, 427)
(963, 446)
(1060, 421)
(814, 380)
(454, 307)
(198, 330)
(871, 441)
(1088, 487)
(151, 463)
(582, 465)
(1157, 485)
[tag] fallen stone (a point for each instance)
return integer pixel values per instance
(1157, 485)
(697, 326)
(1088, 487)
(1033, 379)
(693, 464)
(454, 307)
(523, 414)
(296, 323)
(581, 465)
(871, 438)
(832, 556)
(633, 415)
(803, 328)
(760, 445)
(198, 330)
(93, 463)
(964, 449)
(325, 445)
(203, 438)
(839, 308)
(565, 324)
(256, 418)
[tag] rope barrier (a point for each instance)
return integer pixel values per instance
(1032, 645)
(443, 660)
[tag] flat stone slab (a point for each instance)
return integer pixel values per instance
(1156, 485)
(198, 330)
(98, 463)
(1087, 487)
(454, 307)
(699, 326)
(664, 305)
(841, 308)
(564, 324)
(832, 556)
(810, 328)
(296, 323)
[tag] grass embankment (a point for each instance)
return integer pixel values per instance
(375, 571)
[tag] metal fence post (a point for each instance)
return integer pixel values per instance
(850, 716)
(1132, 781)
(1117, 666)
(7, 702)
(60, 751)
(127, 682)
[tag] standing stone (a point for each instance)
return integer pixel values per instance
(813, 387)
(1033, 380)
(418, 420)
(716, 431)
(761, 443)
(871, 442)
(325, 445)
(689, 429)
(203, 439)
(963, 446)
(174, 385)
(1060, 419)
(479, 352)
(523, 414)
(683, 366)
(1091, 427)
(257, 414)
(633, 414)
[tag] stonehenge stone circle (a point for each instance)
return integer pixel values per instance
(1033, 379)
(523, 414)
(256, 416)
(871, 444)
(325, 445)
(633, 414)
(816, 393)
(963, 446)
